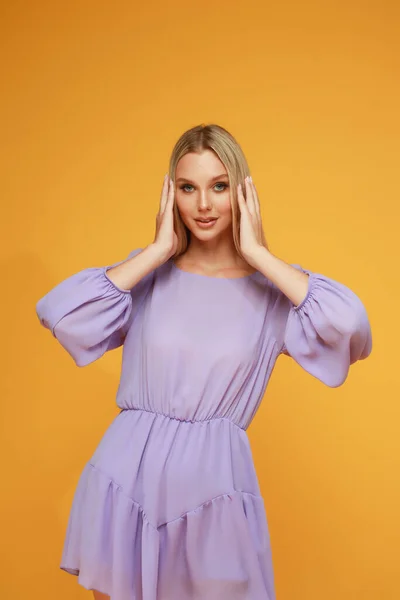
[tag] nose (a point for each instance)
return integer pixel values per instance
(203, 201)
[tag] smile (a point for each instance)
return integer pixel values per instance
(206, 223)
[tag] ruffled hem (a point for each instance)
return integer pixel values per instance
(219, 549)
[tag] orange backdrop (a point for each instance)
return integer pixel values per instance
(94, 96)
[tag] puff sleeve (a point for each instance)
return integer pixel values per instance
(328, 331)
(88, 314)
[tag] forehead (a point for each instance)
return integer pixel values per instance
(204, 165)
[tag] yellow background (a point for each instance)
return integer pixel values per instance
(94, 95)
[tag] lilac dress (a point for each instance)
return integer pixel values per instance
(169, 505)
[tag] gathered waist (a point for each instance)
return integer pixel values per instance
(175, 418)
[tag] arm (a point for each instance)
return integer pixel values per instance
(326, 325)
(91, 311)
(292, 282)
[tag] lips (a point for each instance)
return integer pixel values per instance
(206, 223)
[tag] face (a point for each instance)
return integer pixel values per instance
(203, 196)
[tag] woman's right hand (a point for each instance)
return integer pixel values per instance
(165, 238)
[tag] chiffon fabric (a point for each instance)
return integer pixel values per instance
(169, 506)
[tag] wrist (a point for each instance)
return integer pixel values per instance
(159, 255)
(257, 256)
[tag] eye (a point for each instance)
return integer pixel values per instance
(225, 185)
(185, 185)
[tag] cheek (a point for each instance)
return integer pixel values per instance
(224, 206)
(184, 207)
(180, 204)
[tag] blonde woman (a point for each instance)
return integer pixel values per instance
(169, 506)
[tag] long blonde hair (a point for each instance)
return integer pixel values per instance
(219, 140)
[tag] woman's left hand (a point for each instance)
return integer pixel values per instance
(251, 229)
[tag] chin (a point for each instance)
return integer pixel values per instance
(204, 234)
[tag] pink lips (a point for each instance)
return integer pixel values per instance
(206, 224)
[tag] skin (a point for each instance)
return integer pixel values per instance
(213, 250)
(202, 190)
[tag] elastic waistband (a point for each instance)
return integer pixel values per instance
(160, 414)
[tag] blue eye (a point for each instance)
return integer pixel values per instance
(185, 185)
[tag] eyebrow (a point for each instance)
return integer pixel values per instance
(213, 179)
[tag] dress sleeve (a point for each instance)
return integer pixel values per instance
(88, 314)
(328, 331)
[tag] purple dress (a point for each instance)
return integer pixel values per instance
(169, 505)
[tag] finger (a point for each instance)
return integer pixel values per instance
(164, 194)
(256, 200)
(240, 198)
(258, 210)
(249, 198)
(171, 194)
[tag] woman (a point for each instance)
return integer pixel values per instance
(169, 506)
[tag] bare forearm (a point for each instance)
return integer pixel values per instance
(292, 282)
(130, 272)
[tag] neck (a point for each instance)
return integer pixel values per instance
(213, 255)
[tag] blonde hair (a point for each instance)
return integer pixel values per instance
(219, 140)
